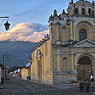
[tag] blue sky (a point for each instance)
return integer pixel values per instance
(32, 11)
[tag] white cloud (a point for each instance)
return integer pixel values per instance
(25, 32)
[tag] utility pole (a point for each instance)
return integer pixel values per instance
(3, 59)
(3, 67)
(4, 64)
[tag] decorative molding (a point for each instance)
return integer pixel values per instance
(57, 54)
(85, 44)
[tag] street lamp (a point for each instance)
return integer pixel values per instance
(7, 25)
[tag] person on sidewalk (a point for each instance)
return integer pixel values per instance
(81, 85)
(87, 83)
(2, 80)
(92, 78)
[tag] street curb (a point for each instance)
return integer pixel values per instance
(1, 86)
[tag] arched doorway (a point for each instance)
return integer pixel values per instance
(84, 68)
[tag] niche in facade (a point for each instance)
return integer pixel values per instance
(89, 12)
(76, 11)
(92, 13)
(65, 59)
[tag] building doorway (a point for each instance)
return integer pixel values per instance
(84, 68)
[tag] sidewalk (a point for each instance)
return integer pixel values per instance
(66, 85)
(70, 85)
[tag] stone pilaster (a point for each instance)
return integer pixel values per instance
(58, 60)
(58, 31)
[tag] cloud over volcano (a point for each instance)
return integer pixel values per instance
(25, 32)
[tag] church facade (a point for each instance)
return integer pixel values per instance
(68, 52)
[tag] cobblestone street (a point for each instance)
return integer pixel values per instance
(16, 86)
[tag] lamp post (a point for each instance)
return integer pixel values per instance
(6, 27)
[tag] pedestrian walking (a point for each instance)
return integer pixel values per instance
(2, 80)
(92, 78)
(81, 85)
(87, 83)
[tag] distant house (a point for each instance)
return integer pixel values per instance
(24, 73)
(19, 73)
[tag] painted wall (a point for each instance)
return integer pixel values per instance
(24, 73)
(41, 69)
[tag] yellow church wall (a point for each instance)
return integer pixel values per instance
(60, 61)
(46, 71)
(71, 63)
(34, 66)
(64, 33)
(65, 65)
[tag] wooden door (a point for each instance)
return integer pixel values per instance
(84, 68)
(84, 71)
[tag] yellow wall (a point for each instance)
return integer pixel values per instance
(44, 61)
(24, 73)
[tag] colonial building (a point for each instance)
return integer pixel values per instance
(68, 53)
(24, 73)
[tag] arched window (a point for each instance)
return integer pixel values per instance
(83, 11)
(82, 34)
(89, 12)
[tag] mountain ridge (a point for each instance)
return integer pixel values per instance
(18, 52)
